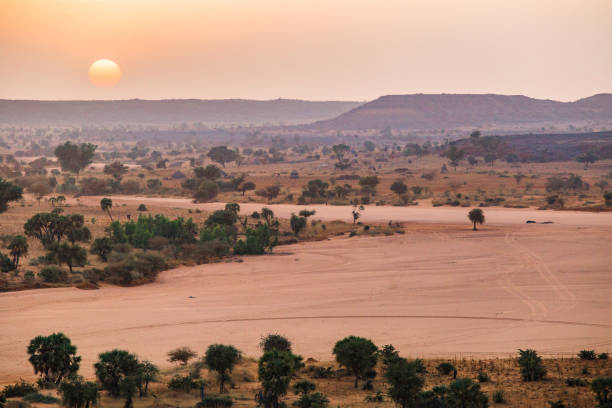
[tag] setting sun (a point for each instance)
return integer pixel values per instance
(104, 73)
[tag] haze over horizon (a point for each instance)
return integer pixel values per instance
(312, 50)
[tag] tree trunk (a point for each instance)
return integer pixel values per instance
(474, 229)
(356, 382)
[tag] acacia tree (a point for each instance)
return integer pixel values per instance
(53, 357)
(18, 247)
(399, 188)
(71, 255)
(454, 156)
(116, 170)
(340, 150)
(476, 215)
(8, 192)
(106, 204)
(73, 157)
(357, 354)
(222, 155)
(181, 355)
(222, 359)
(246, 186)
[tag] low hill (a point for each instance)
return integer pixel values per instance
(167, 112)
(446, 111)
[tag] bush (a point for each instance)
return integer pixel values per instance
(53, 274)
(20, 389)
(531, 365)
(6, 264)
(483, 377)
(142, 207)
(499, 397)
(602, 387)
(603, 356)
(39, 398)
(445, 368)
(132, 269)
(587, 355)
(215, 402)
(575, 382)
(184, 383)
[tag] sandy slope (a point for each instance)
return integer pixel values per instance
(435, 290)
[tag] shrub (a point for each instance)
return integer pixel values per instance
(483, 377)
(142, 207)
(603, 356)
(131, 269)
(312, 400)
(53, 274)
(6, 264)
(39, 398)
(215, 402)
(463, 392)
(206, 191)
(184, 383)
(557, 404)
(378, 397)
(445, 368)
(531, 365)
(575, 382)
(587, 355)
(20, 389)
(602, 387)
(499, 397)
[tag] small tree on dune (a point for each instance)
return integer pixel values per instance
(476, 215)
(357, 354)
(222, 359)
(181, 355)
(53, 357)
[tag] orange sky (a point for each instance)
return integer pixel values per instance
(307, 49)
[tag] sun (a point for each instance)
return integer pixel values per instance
(104, 73)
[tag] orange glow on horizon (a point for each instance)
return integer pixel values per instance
(104, 73)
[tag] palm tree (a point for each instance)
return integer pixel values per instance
(18, 247)
(476, 216)
(106, 204)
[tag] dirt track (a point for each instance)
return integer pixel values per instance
(444, 290)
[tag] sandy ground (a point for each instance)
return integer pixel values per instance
(441, 290)
(423, 212)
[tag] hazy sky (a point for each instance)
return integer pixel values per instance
(307, 49)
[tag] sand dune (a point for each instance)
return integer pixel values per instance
(442, 290)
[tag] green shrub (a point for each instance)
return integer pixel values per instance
(131, 269)
(53, 274)
(587, 355)
(445, 368)
(575, 382)
(6, 264)
(483, 377)
(602, 387)
(142, 207)
(603, 356)
(184, 383)
(499, 397)
(39, 398)
(378, 397)
(20, 389)
(531, 365)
